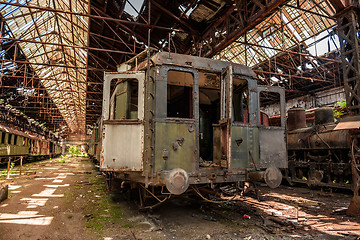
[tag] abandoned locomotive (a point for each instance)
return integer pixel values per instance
(319, 155)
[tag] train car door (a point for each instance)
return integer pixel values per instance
(177, 119)
(225, 121)
(122, 136)
(272, 138)
(238, 121)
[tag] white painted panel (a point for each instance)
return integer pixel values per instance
(123, 147)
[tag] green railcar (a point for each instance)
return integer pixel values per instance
(16, 144)
(13, 143)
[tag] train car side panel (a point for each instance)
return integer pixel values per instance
(125, 150)
(244, 147)
(273, 150)
(175, 146)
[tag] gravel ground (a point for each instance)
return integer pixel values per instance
(66, 198)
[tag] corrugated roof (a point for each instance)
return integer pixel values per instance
(54, 38)
(285, 29)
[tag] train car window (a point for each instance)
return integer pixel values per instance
(96, 134)
(9, 138)
(15, 139)
(3, 134)
(270, 109)
(180, 86)
(126, 100)
(240, 101)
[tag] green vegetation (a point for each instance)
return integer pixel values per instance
(74, 151)
(3, 173)
(338, 113)
(101, 209)
(96, 204)
(62, 159)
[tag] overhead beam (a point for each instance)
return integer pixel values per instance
(67, 45)
(91, 16)
(339, 5)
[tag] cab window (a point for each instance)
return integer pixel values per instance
(240, 101)
(180, 92)
(125, 101)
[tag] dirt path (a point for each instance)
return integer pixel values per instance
(36, 209)
(67, 199)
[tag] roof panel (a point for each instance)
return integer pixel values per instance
(284, 29)
(48, 37)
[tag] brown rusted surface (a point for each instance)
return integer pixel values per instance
(296, 118)
(123, 122)
(349, 122)
(324, 115)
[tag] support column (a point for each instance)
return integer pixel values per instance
(349, 36)
(8, 169)
(348, 32)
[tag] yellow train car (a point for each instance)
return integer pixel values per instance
(13, 143)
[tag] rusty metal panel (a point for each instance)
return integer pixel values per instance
(122, 147)
(349, 122)
(206, 64)
(272, 145)
(348, 125)
(175, 146)
(244, 147)
(320, 138)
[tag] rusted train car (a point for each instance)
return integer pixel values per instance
(319, 155)
(188, 121)
(16, 144)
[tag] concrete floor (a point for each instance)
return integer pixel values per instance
(66, 198)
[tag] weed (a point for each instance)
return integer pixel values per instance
(126, 225)
(74, 151)
(338, 113)
(3, 173)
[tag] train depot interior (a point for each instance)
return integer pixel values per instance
(194, 119)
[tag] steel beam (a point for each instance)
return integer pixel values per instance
(237, 19)
(348, 32)
(47, 9)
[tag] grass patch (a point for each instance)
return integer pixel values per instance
(100, 208)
